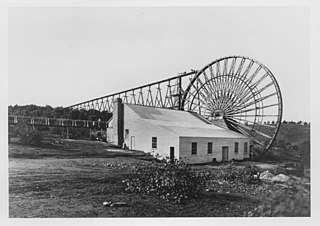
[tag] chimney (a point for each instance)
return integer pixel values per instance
(118, 125)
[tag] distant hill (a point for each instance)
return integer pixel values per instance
(294, 133)
(292, 143)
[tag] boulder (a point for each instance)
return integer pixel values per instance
(119, 204)
(281, 178)
(107, 203)
(266, 175)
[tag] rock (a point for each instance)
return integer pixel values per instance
(283, 185)
(266, 175)
(119, 204)
(280, 178)
(107, 203)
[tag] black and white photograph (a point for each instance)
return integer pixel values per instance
(179, 111)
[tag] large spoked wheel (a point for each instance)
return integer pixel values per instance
(240, 92)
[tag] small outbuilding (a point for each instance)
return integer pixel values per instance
(176, 134)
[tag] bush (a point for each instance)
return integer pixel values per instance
(55, 130)
(173, 181)
(93, 137)
(250, 174)
(31, 136)
(292, 201)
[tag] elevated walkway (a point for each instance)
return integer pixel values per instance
(57, 122)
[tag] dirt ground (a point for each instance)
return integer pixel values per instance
(70, 179)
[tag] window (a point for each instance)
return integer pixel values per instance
(245, 147)
(236, 147)
(154, 142)
(194, 148)
(126, 134)
(209, 147)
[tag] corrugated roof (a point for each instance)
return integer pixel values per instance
(181, 123)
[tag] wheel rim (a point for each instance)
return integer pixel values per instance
(240, 92)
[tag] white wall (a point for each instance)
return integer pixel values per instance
(143, 133)
(202, 155)
(110, 135)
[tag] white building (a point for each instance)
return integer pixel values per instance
(183, 135)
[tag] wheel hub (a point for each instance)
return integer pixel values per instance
(217, 114)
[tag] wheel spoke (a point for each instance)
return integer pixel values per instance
(245, 96)
(260, 124)
(242, 91)
(254, 115)
(252, 129)
(255, 101)
(246, 72)
(256, 108)
(239, 129)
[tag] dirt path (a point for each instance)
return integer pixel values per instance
(59, 188)
(78, 187)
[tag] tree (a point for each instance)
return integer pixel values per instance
(83, 114)
(58, 112)
(31, 136)
(74, 114)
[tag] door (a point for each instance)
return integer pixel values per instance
(132, 143)
(171, 154)
(225, 153)
(251, 151)
(126, 136)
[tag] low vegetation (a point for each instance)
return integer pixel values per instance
(293, 200)
(178, 182)
(171, 181)
(31, 136)
(28, 135)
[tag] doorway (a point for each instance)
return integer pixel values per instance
(225, 153)
(132, 143)
(171, 154)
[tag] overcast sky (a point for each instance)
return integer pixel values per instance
(63, 56)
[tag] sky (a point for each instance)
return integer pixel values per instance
(60, 56)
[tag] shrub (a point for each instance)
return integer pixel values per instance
(93, 137)
(31, 136)
(252, 173)
(292, 201)
(173, 181)
(55, 130)
(249, 174)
